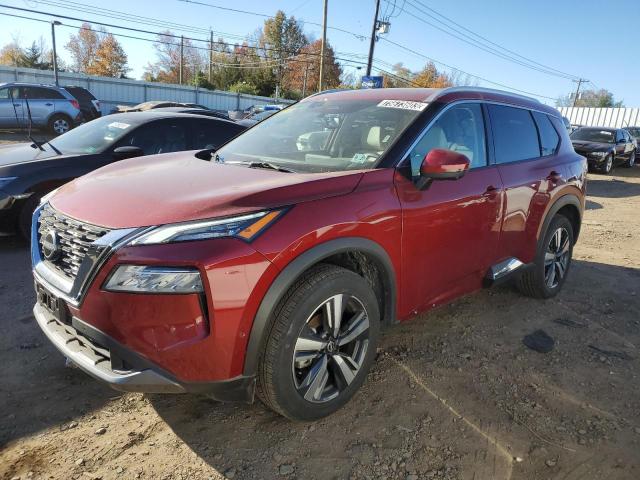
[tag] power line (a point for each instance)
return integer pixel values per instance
(474, 42)
(447, 19)
(264, 15)
(159, 34)
(502, 85)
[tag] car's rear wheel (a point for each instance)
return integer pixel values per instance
(321, 344)
(632, 160)
(59, 124)
(549, 272)
(607, 165)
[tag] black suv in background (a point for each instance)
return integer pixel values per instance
(604, 147)
(89, 104)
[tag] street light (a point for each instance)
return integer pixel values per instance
(55, 56)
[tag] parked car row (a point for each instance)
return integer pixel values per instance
(59, 109)
(265, 266)
(605, 148)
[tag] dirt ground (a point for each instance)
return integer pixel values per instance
(454, 394)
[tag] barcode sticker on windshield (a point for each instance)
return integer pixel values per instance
(403, 104)
(122, 126)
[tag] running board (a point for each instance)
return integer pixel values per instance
(503, 270)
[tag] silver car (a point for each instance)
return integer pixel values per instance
(51, 107)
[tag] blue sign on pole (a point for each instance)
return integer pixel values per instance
(371, 82)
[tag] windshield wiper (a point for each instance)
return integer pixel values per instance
(54, 148)
(271, 166)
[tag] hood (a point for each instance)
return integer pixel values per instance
(586, 146)
(12, 154)
(170, 188)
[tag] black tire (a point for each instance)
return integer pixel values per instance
(535, 281)
(24, 219)
(607, 165)
(631, 162)
(59, 124)
(282, 383)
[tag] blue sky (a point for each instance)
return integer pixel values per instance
(575, 36)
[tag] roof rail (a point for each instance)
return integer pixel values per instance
(486, 90)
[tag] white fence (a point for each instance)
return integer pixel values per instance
(602, 117)
(116, 91)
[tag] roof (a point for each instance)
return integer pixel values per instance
(445, 95)
(147, 115)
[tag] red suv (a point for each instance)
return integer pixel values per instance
(269, 266)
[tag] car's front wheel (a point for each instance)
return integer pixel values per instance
(632, 160)
(321, 344)
(607, 165)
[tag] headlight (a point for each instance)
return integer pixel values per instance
(137, 279)
(246, 227)
(599, 154)
(4, 181)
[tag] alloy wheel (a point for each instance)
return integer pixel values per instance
(632, 159)
(60, 126)
(556, 258)
(331, 348)
(608, 163)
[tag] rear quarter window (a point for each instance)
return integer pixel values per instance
(549, 138)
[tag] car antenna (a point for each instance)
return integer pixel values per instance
(15, 112)
(26, 99)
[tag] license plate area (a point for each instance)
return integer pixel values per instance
(54, 305)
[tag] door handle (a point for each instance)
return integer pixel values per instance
(17, 104)
(49, 104)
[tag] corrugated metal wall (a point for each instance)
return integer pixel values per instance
(602, 117)
(116, 91)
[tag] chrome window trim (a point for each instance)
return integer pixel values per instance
(73, 291)
(423, 132)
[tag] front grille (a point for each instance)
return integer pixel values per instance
(74, 238)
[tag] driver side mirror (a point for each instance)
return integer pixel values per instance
(122, 153)
(442, 164)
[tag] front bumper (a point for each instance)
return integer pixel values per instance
(122, 369)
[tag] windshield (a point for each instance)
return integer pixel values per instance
(593, 135)
(324, 134)
(93, 137)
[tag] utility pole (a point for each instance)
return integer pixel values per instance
(55, 56)
(580, 81)
(324, 43)
(304, 81)
(373, 38)
(210, 55)
(181, 59)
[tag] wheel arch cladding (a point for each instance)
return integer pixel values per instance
(360, 255)
(568, 206)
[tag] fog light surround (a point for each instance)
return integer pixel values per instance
(151, 279)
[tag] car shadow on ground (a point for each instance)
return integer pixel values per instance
(456, 391)
(616, 187)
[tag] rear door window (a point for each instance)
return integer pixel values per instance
(515, 135)
(549, 138)
(41, 93)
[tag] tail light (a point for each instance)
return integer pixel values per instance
(75, 104)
